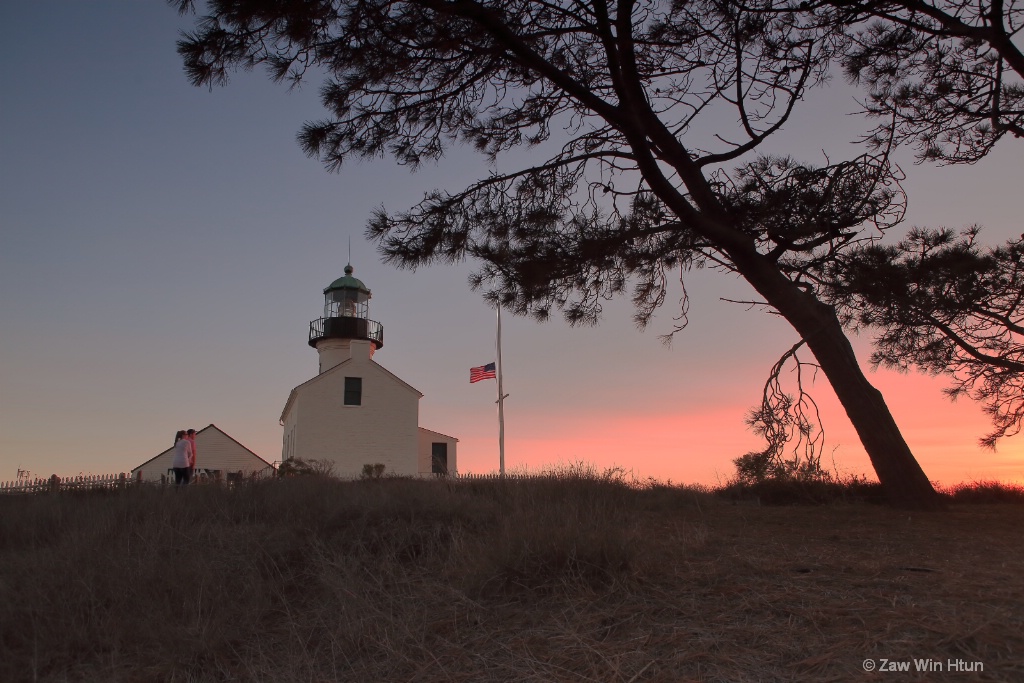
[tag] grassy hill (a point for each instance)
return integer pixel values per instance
(571, 577)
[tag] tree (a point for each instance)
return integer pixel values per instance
(634, 191)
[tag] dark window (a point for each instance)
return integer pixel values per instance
(439, 458)
(353, 391)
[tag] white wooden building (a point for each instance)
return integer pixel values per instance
(355, 412)
(216, 453)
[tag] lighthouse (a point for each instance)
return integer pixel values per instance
(355, 412)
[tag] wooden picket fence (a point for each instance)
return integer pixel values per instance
(490, 475)
(81, 482)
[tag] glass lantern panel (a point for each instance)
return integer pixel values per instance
(346, 303)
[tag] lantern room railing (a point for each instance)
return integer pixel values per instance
(346, 328)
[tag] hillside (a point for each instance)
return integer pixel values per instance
(564, 578)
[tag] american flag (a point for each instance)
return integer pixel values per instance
(482, 372)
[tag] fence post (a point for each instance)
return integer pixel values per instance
(54, 483)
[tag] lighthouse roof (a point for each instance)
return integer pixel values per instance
(347, 282)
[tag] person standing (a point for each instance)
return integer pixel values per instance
(191, 437)
(181, 464)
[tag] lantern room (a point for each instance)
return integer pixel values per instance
(347, 297)
(346, 314)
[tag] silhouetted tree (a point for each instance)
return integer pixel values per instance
(651, 101)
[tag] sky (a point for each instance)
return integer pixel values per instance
(164, 247)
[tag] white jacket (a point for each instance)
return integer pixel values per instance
(182, 454)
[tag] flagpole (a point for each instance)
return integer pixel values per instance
(501, 405)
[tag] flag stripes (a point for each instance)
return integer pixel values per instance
(482, 372)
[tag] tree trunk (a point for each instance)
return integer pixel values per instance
(902, 478)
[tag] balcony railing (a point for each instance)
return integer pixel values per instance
(346, 328)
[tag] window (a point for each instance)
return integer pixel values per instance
(439, 458)
(353, 391)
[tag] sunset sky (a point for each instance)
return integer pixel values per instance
(163, 249)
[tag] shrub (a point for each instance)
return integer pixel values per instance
(374, 471)
(293, 467)
(983, 492)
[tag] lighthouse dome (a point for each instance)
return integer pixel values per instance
(347, 281)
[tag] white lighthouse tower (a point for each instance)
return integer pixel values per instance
(355, 412)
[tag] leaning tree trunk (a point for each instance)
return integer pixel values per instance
(902, 478)
(905, 483)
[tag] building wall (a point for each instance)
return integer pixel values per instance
(383, 429)
(427, 438)
(289, 441)
(215, 451)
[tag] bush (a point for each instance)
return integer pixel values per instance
(374, 471)
(296, 467)
(984, 492)
(798, 491)
(767, 478)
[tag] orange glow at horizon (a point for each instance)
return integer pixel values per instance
(697, 447)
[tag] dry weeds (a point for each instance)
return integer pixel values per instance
(563, 578)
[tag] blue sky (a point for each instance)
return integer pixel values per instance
(163, 248)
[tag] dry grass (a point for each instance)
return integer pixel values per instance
(571, 577)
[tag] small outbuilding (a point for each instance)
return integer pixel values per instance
(436, 452)
(217, 454)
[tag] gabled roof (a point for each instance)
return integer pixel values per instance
(294, 392)
(209, 426)
(424, 429)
